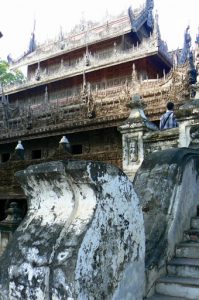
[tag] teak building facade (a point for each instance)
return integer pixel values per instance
(80, 86)
(102, 86)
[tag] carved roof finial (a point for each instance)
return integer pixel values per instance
(32, 43)
(175, 58)
(186, 48)
(82, 22)
(61, 36)
(197, 37)
(156, 26)
(150, 6)
(61, 39)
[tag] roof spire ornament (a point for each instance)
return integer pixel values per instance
(61, 39)
(186, 48)
(175, 58)
(197, 38)
(143, 15)
(9, 59)
(197, 55)
(32, 43)
(156, 25)
(150, 6)
(82, 22)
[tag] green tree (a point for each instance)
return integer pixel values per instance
(9, 77)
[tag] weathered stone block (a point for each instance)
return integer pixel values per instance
(82, 238)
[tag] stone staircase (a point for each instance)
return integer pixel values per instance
(182, 279)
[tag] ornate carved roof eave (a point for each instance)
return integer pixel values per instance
(137, 27)
(30, 85)
(163, 52)
(143, 19)
(174, 85)
(139, 30)
(33, 58)
(64, 129)
(164, 57)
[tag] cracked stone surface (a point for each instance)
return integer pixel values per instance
(82, 237)
(167, 185)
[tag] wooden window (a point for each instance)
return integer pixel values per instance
(5, 157)
(76, 149)
(36, 154)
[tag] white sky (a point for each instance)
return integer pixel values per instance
(17, 18)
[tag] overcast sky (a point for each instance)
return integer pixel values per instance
(17, 19)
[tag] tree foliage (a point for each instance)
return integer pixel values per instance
(8, 76)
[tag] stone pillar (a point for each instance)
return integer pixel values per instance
(132, 137)
(184, 134)
(188, 118)
(133, 154)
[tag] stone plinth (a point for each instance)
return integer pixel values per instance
(133, 130)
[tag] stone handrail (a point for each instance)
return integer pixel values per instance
(79, 214)
(174, 171)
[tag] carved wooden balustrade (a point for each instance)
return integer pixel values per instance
(101, 102)
(82, 34)
(67, 110)
(96, 60)
(156, 93)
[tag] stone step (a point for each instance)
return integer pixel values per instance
(189, 250)
(184, 267)
(195, 222)
(163, 297)
(178, 287)
(191, 235)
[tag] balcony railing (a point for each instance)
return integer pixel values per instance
(95, 61)
(67, 110)
(80, 36)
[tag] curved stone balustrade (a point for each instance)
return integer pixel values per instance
(82, 238)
